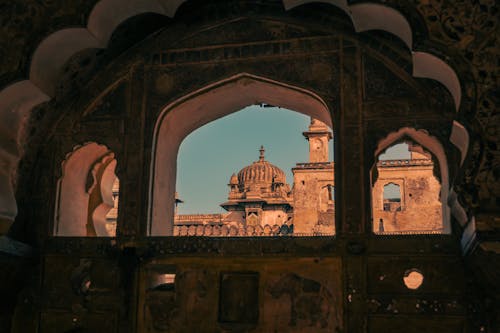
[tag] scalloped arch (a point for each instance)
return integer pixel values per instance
(108, 14)
(460, 138)
(71, 210)
(342, 4)
(370, 16)
(54, 51)
(436, 148)
(16, 101)
(367, 16)
(426, 65)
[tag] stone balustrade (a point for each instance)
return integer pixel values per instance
(405, 162)
(314, 165)
(182, 219)
(410, 232)
(224, 230)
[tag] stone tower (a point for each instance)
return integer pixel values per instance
(319, 137)
(313, 208)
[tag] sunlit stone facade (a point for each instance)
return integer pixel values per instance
(261, 203)
(418, 208)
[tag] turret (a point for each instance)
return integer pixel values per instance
(318, 136)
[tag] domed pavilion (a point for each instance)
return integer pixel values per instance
(259, 195)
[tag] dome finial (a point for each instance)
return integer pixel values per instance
(262, 150)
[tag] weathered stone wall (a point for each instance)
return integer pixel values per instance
(421, 209)
(288, 285)
(310, 200)
(261, 295)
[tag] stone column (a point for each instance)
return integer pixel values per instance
(351, 173)
(350, 136)
(131, 180)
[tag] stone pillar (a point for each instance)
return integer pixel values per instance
(350, 135)
(131, 177)
(350, 187)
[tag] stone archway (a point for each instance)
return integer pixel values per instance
(84, 191)
(436, 148)
(184, 116)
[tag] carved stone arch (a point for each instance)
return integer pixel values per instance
(100, 182)
(16, 102)
(81, 173)
(103, 195)
(53, 52)
(433, 145)
(183, 116)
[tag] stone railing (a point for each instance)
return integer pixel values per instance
(224, 230)
(263, 195)
(190, 218)
(409, 232)
(402, 163)
(314, 165)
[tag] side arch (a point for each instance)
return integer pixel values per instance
(80, 197)
(436, 148)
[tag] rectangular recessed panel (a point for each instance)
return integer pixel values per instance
(238, 300)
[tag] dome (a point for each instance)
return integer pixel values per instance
(261, 172)
(233, 180)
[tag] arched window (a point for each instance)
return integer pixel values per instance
(222, 180)
(197, 109)
(87, 193)
(392, 198)
(407, 189)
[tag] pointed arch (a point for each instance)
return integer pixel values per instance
(433, 145)
(196, 109)
(82, 200)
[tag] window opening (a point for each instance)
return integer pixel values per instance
(413, 278)
(406, 191)
(259, 199)
(87, 194)
(392, 197)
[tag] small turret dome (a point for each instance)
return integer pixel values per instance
(233, 180)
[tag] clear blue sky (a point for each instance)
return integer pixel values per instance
(399, 151)
(211, 154)
(396, 152)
